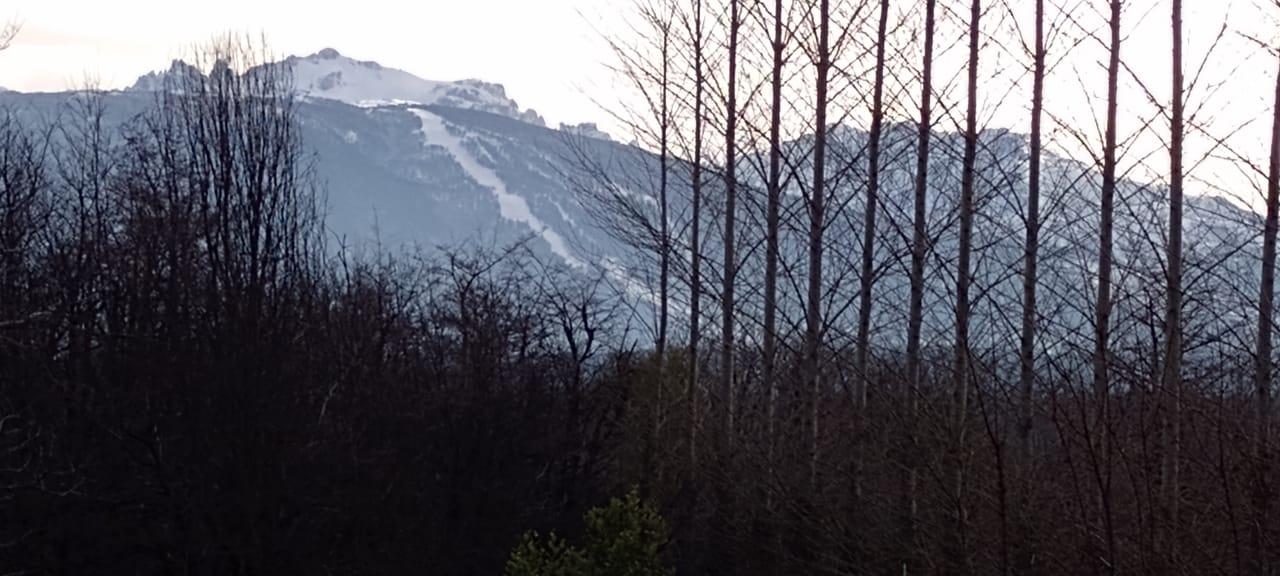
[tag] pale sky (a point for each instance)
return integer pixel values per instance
(551, 57)
(545, 52)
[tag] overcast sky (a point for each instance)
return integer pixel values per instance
(550, 55)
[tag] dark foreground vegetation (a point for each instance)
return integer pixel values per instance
(195, 380)
(191, 383)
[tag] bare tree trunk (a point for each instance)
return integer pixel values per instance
(867, 282)
(652, 472)
(695, 244)
(916, 313)
(1031, 248)
(960, 385)
(817, 217)
(771, 232)
(1102, 310)
(725, 504)
(664, 232)
(1263, 367)
(730, 219)
(1173, 299)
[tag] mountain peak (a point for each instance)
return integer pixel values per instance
(155, 81)
(327, 54)
(328, 74)
(587, 129)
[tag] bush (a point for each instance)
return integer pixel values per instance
(554, 558)
(624, 538)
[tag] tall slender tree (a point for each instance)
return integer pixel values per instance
(867, 280)
(1030, 269)
(1263, 355)
(770, 344)
(960, 374)
(916, 313)
(695, 239)
(726, 391)
(1031, 246)
(1172, 376)
(727, 336)
(817, 223)
(663, 20)
(964, 279)
(1102, 308)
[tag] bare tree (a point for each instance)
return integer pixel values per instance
(1030, 268)
(1263, 354)
(817, 223)
(664, 220)
(606, 183)
(8, 33)
(695, 233)
(960, 375)
(1172, 377)
(915, 318)
(727, 311)
(774, 192)
(867, 280)
(1031, 247)
(1103, 304)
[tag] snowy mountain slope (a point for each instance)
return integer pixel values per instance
(415, 161)
(1221, 247)
(407, 161)
(435, 175)
(512, 207)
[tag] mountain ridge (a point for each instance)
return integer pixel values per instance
(402, 173)
(328, 74)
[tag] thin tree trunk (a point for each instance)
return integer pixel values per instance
(695, 245)
(1173, 299)
(817, 217)
(664, 232)
(771, 232)
(960, 385)
(773, 201)
(724, 497)
(1031, 248)
(867, 282)
(664, 251)
(730, 219)
(1262, 369)
(916, 314)
(1102, 311)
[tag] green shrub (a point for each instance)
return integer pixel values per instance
(555, 557)
(624, 538)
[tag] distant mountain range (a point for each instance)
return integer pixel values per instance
(407, 161)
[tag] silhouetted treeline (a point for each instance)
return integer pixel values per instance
(851, 370)
(190, 383)
(939, 345)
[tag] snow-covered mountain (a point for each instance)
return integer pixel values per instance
(330, 75)
(409, 161)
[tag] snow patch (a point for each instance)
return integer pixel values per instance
(511, 206)
(328, 74)
(633, 288)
